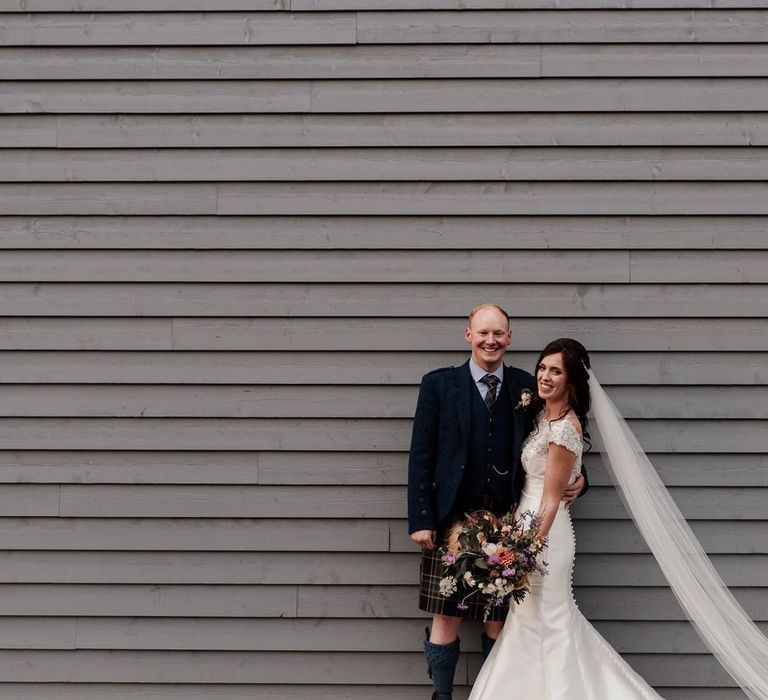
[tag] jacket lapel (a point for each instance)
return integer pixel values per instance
(463, 387)
(513, 394)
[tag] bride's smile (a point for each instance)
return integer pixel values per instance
(551, 379)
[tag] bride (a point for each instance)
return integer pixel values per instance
(547, 649)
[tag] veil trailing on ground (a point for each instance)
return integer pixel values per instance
(720, 621)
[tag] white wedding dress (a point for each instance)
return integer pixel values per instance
(547, 649)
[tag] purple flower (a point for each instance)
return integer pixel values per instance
(494, 559)
(448, 559)
(462, 606)
(507, 573)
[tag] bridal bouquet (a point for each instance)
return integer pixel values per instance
(492, 557)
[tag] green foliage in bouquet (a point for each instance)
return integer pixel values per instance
(492, 557)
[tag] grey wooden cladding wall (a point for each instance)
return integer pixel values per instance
(324, 130)
(233, 236)
(383, 61)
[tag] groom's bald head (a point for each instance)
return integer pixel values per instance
(485, 307)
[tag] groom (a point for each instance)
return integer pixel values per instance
(465, 455)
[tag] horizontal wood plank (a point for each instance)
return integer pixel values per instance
(362, 198)
(177, 28)
(144, 5)
(383, 61)
(177, 467)
(384, 232)
(148, 600)
(385, 27)
(590, 198)
(368, 5)
(244, 502)
(276, 63)
(394, 130)
(26, 500)
(154, 96)
(726, 267)
(389, 96)
(401, 164)
(101, 334)
(587, 266)
(654, 60)
(194, 533)
(355, 5)
(561, 26)
(108, 199)
(23, 132)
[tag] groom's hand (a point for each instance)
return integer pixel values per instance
(572, 492)
(424, 538)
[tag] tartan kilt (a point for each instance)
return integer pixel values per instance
(432, 602)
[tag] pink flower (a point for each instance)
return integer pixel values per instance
(507, 573)
(448, 559)
(462, 606)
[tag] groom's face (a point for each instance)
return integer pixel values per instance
(489, 335)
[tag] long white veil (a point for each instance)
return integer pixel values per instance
(720, 621)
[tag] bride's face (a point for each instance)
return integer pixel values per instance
(551, 379)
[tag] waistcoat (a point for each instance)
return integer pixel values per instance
(490, 456)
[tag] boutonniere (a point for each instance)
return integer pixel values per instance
(525, 399)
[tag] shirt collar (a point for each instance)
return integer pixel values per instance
(478, 372)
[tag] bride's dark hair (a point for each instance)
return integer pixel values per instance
(576, 363)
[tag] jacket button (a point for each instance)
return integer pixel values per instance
(421, 500)
(423, 512)
(434, 486)
(461, 467)
(421, 487)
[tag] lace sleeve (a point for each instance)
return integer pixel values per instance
(565, 433)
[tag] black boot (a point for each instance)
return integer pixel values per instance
(487, 643)
(441, 662)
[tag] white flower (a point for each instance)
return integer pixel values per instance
(489, 548)
(490, 588)
(525, 399)
(469, 579)
(447, 586)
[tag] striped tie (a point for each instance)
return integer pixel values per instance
(490, 397)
